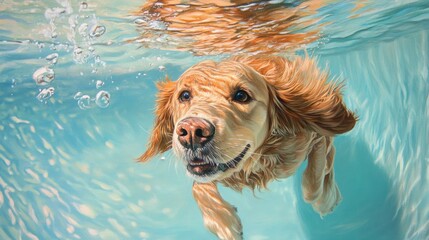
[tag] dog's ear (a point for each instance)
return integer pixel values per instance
(161, 136)
(301, 96)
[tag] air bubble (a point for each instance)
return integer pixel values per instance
(77, 51)
(52, 58)
(77, 96)
(79, 56)
(99, 84)
(161, 68)
(73, 21)
(139, 21)
(83, 29)
(102, 99)
(52, 13)
(97, 31)
(44, 76)
(45, 94)
(84, 102)
(83, 5)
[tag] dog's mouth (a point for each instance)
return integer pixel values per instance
(202, 167)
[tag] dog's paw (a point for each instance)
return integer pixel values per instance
(225, 223)
(330, 198)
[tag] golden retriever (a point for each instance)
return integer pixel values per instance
(246, 121)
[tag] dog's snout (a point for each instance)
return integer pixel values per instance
(194, 132)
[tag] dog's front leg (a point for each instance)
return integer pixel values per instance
(219, 216)
(318, 183)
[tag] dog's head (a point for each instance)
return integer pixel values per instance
(216, 115)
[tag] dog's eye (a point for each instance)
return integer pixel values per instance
(241, 96)
(185, 96)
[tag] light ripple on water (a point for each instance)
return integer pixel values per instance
(395, 124)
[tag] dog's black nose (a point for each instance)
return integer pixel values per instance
(194, 132)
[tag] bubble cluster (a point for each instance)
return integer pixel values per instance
(102, 100)
(83, 30)
(45, 94)
(52, 58)
(44, 75)
(93, 31)
(79, 56)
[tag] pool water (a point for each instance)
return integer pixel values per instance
(69, 143)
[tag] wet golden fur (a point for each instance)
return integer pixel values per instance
(295, 116)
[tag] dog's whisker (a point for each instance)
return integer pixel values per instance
(260, 155)
(227, 156)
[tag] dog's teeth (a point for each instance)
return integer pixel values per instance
(199, 163)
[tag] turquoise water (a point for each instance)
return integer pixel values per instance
(67, 164)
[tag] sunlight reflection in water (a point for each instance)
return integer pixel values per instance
(218, 27)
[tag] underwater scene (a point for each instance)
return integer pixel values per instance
(78, 95)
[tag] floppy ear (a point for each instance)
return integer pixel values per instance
(302, 97)
(160, 139)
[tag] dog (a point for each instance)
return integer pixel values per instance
(246, 121)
